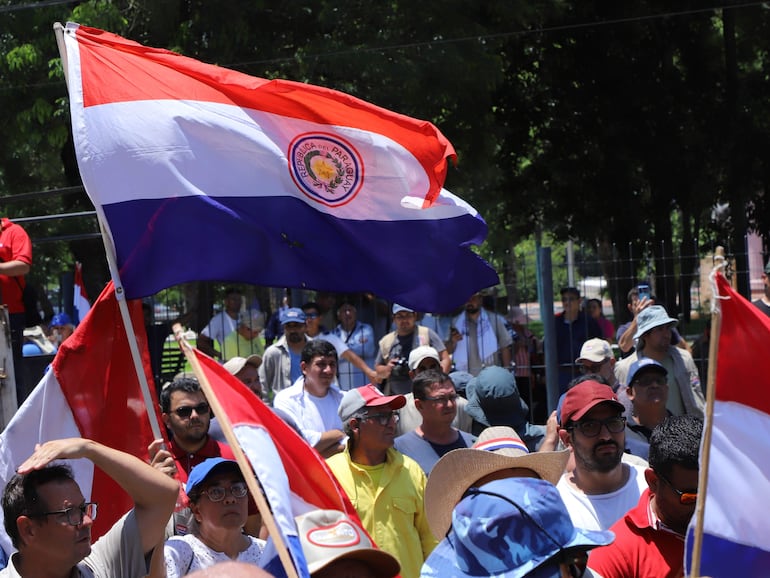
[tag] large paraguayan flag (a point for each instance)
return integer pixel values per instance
(204, 173)
(736, 533)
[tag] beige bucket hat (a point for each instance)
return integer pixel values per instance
(498, 448)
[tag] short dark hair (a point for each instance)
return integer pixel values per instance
(311, 305)
(634, 292)
(573, 290)
(423, 380)
(317, 348)
(675, 441)
(232, 291)
(21, 497)
(587, 377)
(184, 384)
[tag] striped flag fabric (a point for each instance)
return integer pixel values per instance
(294, 477)
(328, 192)
(91, 391)
(80, 303)
(736, 528)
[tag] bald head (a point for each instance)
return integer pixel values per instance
(231, 570)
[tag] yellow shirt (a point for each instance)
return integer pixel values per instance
(236, 345)
(392, 510)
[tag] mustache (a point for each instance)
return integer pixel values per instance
(607, 443)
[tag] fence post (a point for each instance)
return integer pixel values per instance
(545, 297)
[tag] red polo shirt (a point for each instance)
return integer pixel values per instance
(185, 462)
(643, 547)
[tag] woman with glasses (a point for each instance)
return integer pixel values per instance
(219, 502)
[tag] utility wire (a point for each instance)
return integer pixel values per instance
(433, 42)
(33, 5)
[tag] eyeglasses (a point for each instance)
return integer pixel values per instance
(75, 514)
(686, 498)
(311, 316)
(593, 367)
(186, 410)
(442, 399)
(383, 418)
(218, 493)
(657, 380)
(592, 427)
(575, 559)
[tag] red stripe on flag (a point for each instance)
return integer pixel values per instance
(309, 476)
(743, 345)
(115, 69)
(97, 377)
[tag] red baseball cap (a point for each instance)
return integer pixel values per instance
(584, 397)
(367, 396)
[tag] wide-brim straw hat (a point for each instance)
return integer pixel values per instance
(498, 448)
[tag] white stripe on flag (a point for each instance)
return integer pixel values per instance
(44, 415)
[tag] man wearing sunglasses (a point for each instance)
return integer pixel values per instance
(601, 487)
(49, 520)
(386, 487)
(650, 537)
(187, 417)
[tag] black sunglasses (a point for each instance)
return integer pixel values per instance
(186, 410)
(686, 498)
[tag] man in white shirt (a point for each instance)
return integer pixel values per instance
(601, 488)
(221, 325)
(312, 400)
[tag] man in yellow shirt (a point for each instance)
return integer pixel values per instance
(386, 487)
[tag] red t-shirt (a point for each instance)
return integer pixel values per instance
(14, 246)
(186, 462)
(642, 549)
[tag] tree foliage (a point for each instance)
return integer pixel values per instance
(604, 122)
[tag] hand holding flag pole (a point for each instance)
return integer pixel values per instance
(243, 463)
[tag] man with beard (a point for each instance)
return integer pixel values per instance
(187, 417)
(601, 488)
(281, 362)
(395, 347)
(650, 537)
(481, 338)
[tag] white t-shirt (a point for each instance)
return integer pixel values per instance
(313, 415)
(220, 326)
(185, 554)
(600, 511)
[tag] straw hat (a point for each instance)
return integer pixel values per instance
(498, 448)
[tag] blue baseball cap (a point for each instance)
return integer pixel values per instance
(292, 315)
(509, 528)
(644, 365)
(209, 467)
(60, 319)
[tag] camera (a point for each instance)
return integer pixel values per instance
(400, 368)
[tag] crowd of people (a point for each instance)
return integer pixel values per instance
(436, 430)
(431, 439)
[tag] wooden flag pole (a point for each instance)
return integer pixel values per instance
(716, 324)
(243, 462)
